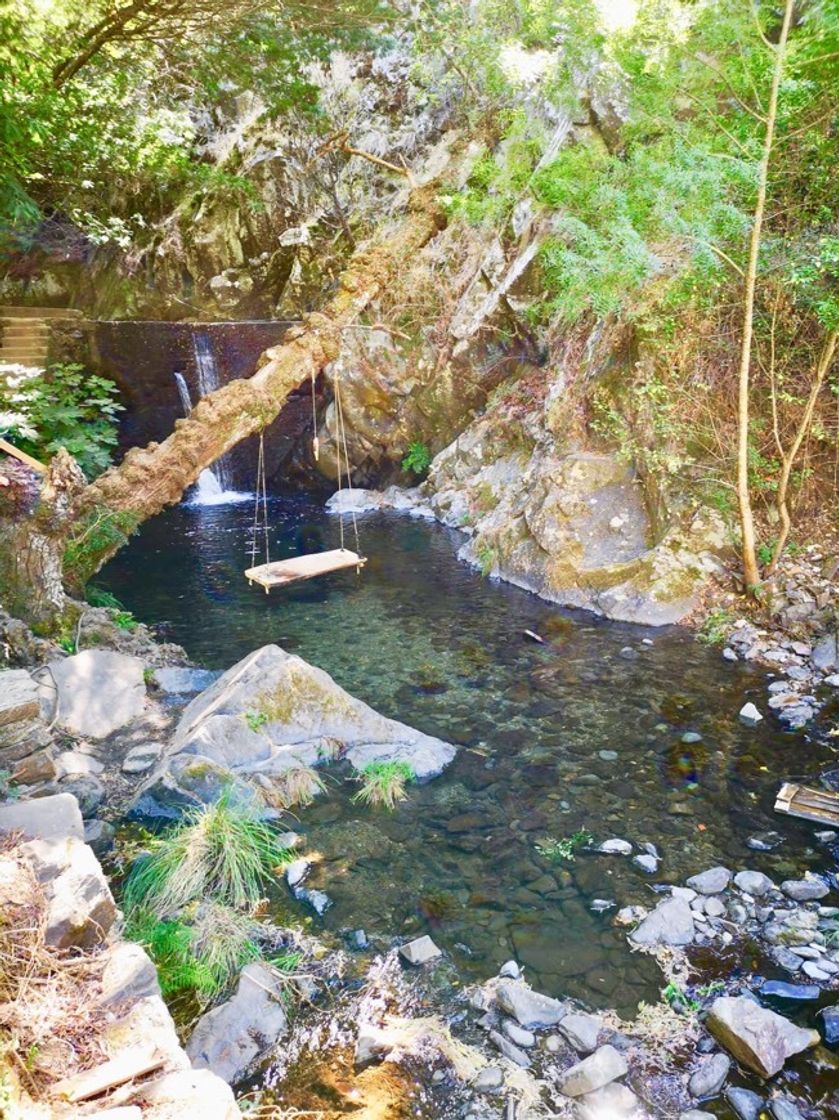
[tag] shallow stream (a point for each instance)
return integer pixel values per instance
(584, 731)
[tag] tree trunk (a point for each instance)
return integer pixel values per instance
(751, 575)
(150, 478)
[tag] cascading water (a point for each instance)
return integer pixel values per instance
(208, 381)
(210, 489)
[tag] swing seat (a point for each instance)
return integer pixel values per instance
(281, 572)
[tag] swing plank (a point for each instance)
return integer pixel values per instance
(281, 572)
(819, 805)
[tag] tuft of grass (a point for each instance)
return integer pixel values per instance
(255, 720)
(222, 852)
(101, 597)
(299, 785)
(384, 783)
(715, 627)
(558, 849)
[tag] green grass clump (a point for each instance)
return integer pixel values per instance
(715, 627)
(222, 852)
(384, 783)
(557, 850)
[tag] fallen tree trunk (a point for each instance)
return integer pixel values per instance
(151, 478)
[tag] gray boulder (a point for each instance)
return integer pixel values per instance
(784, 1110)
(807, 889)
(45, 818)
(712, 881)
(80, 906)
(231, 1038)
(188, 1093)
(600, 1068)
(615, 1101)
(141, 758)
(129, 975)
(272, 712)
(581, 1030)
(824, 655)
(707, 1081)
(758, 1038)
(754, 883)
(18, 697)
(530, 1009)
(671, 923)
(746, 1104)
(98, 692)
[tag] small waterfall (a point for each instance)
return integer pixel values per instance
(209, 489)
(208, 382)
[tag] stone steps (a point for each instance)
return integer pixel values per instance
(25, 333)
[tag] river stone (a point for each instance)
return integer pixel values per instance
(518, 1034)
(808, 889)
(671, 923)
(44, 818)
(189, 1093)
(489, 1080)
(420, 950)
(758, 1038)
(780, 989)
(88, 791)
(647, 863)
(749, 715)
(746, 1104)
(592, 1073)
(530, 1009)
(141, 758)
(784, 1110)
(582, 1030)
(129, 975)
(615, 1101)
(178, 680)
(231, 1038)
(754, 883)
(707, 1081)
(99, 691)
(615, 847)
(824, 655)
(511, 1053)
(510, 970)
(765, 841)
(99, 835)
(830, 1024)
(309, 718)
(713, 881)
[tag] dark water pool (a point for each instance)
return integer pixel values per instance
(576, 733)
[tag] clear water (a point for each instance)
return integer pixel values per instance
(422, 638)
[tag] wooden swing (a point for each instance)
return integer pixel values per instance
(313, 564)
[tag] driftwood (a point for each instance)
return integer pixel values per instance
(819, 805)
(94, 1082)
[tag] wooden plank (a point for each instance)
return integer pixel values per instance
(124, 1067)
(309, 566)
(819, 805)
(24, 458)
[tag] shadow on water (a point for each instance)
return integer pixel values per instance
(576, 733)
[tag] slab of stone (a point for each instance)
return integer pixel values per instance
(36, 767)
(713, 881)
(510, 1051)
(615, 1102)
(99, 691)
(600, 1068)
(420, 951)
(671, 923)
(178, 680)
(760, 1039)
(615, 847)
(582, 1030)
(707, 1081)
(75, 764)
(18, 697)
(231, 1038)
(80, 906)
(795, 993)
(141, 758)
(128, 976)
(530, 1009)
(44, 818)
(754, 883)
(746, 1104)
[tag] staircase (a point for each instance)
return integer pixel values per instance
(25, 333)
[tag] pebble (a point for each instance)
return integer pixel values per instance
(754, 883)
(714, 907)
(510, 970)
(691, 737)
(489, 1080)
(712, 881)
(647, 863)
(811, 969)
(518, 1034)
(765, 841)
(628, 653)
(599, 905)
(510, 1051)
(707, 1081)
(749, 715)
(608, 756)
(784, 1110)
(615, 847)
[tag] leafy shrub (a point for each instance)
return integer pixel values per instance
(65, 407)
(383, 783)
(255, 720)
(417, 459)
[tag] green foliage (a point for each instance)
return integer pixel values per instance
(101, 597)
(64, 407)
(99, 534)
(222, 852)
(487, 558)
(8, 790)
(715, 626)
(417, 459)
(255, 720)
(678, 999)
(384, 783)
(562, 849)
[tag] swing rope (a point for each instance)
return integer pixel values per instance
(261, 493)
(341, 442)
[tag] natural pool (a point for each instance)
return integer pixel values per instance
(584, 731)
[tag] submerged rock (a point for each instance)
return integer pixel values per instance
(671, 923)
(758, 1038)
(419, 951)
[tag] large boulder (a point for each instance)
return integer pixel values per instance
(270, 713)
(97, 692)
(231, 1038)
(80, 906)
(44, 818)
(188, 1093)
(758, 1038)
